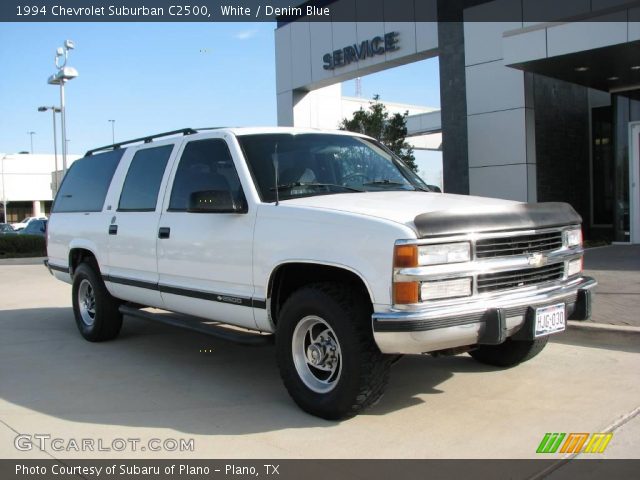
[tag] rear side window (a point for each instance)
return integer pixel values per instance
(141, 187)
(85, 185)
(204, 165)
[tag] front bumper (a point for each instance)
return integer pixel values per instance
(483, 321)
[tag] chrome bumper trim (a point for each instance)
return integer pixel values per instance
(440, 327)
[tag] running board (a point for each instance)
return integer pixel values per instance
(199, 325)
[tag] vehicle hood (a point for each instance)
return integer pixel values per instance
(401, 207)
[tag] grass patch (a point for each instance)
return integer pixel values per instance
(20, 246)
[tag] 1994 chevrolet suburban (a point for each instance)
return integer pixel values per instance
(323, 241)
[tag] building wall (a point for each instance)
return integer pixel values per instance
(453, 103)
(500, 111)
(26, 179)
(563, 143)
(300, 74)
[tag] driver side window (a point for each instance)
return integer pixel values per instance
(204, 165)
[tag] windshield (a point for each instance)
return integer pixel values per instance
(321, 164)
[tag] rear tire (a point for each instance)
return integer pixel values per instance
(509, 353)
(326, 354)
(96, 311)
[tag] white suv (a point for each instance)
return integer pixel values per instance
(323, 241)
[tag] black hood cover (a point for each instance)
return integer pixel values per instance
(519, 216)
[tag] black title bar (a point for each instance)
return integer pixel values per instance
(185, 469)
(285, 11)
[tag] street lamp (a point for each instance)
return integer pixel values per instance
(54, 110)
(31, 134)
(63, 75)
(113, 131)
(4, 193)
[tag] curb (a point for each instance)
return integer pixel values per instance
(22, 261)
(603, 327)
(619, 337)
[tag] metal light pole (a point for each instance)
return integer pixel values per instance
(63, 75)
(113, 131)
(4, 193)
(31, 134)
(54, 110)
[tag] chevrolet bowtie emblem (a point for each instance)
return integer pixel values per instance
(537, 260)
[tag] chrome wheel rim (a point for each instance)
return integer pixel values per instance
(316, 354)
(87, 303)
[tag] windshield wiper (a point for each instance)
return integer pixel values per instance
(314, 184)
(394, 183)
(384, 182)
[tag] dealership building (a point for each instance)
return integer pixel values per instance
(536, 111)
(28, 183)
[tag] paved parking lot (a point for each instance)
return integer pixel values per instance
(154, 382)
(617, 268)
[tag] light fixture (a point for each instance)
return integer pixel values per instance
(614, 78)
(62, 76)
(635, 68)
(581, 69)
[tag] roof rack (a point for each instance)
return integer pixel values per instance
(147, 139)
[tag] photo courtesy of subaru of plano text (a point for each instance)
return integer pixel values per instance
(323, 242)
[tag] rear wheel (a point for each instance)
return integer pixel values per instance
(326, 354)
(509, 353)
(96, 311)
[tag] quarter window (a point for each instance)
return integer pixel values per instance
(85, 185)
(141, 187)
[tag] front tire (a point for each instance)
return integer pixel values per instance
(96, 311)
(509, 353)
(326, 354)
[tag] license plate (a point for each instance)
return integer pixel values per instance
(550, 319)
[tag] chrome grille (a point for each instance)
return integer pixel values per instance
(492, 282)
(518, 245)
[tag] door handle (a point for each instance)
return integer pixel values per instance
(113, 229)
(164, 232)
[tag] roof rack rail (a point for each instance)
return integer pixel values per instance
(147, 139)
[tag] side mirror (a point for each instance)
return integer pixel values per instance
(215, 201)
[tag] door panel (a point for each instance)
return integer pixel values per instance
(205, 265)
(133, 228)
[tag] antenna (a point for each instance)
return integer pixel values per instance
(275, 171)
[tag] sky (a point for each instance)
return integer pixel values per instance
(156, 77)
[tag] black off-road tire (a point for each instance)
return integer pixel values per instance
(365, 370)
(107, 319)
(509, 353)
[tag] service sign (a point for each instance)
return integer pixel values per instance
(378, 45)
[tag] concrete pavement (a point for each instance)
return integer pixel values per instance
(154, 382)
(617, 269)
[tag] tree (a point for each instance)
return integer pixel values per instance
(391, 130)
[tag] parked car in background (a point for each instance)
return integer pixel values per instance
(35, 227)
(6, 229)
(23, 224)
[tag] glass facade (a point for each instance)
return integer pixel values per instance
(602, 169)
(625, 110)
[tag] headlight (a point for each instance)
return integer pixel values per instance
(574, 237)
(444, 253)
(458, 287)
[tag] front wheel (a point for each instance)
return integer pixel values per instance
(96, 311)
(326, 354)
(509, 353)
